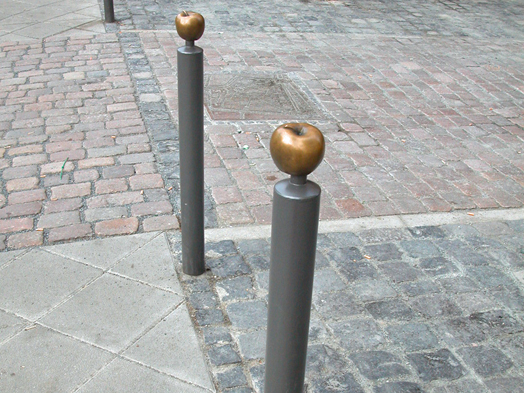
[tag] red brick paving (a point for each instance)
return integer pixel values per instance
(75, 158)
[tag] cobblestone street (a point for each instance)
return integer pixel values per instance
(422, 107)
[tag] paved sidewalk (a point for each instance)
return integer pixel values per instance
(106, 315)
(23, 20)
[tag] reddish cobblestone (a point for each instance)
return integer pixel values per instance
(120, 226)
(16, 225)
(25, 239)
(70, 232)
(151, 208)
(70, 191)
(140, 182)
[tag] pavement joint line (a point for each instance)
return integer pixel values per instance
(364, 223)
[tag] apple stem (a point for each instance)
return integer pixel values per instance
(184, 13)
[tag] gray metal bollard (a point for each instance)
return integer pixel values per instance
(190, 62)
(109, 11)
(297, 149)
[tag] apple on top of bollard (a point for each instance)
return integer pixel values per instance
(190, 25)
(297, 148)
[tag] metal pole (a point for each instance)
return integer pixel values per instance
(190, 62)
(109, 11)
(296, 206)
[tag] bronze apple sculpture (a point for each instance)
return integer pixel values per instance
(190, 25)
(297, 148)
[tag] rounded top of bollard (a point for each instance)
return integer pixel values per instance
(297, 148)
(190, 25)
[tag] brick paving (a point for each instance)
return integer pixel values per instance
(76, 158)
(414, 126)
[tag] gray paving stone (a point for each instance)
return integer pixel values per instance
(248, 315)
(460, 230)
(507, 257)
(435, 305)
(436, 365)
(327, 280)
(514, 346)
(412, 336)
(344, 382)
(427, 232)
(437, 266)
(374, 290)
(216, 335)
(258, 262)
(102, 253)
(253, 344)
(239, 288)
(357, 334)
(383, 252)
(229, 266)
(220, 249)
(516, 225)
(485, 360)
(337, 305)
(40, 359)
(418, 288)
(153, 264)
(399, 387)
(10, 325)
(506, 385)
(459, 284)
(376, 365)
(231, 378)
(344, 256)
(255, 246)
(420, 248)
(123, 376)
(355, 271)
(474, 302)
(460, 331)
(209, 317)
(490, 277)
(174, 334)
(223, 354)
(400, 271)
(394, 309)
(463, 385)
(322, 360)
(203, 300)
(38, 281)
(111, 312)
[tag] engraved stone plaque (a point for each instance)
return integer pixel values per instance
(257, 97)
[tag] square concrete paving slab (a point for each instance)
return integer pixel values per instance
(152, 264)
(102, 253)
(40, 360)
(32, 285)
(123, 376)
(10, 325)
(9, 256)
(112, 312)
(172, 347)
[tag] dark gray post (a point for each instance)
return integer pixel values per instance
(109, 12)
(296, 205)
(190, 62)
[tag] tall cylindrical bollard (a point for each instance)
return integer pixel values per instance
(190, 62)
(109, 11)
(297, 149)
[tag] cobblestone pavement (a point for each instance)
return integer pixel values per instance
(435, 309)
